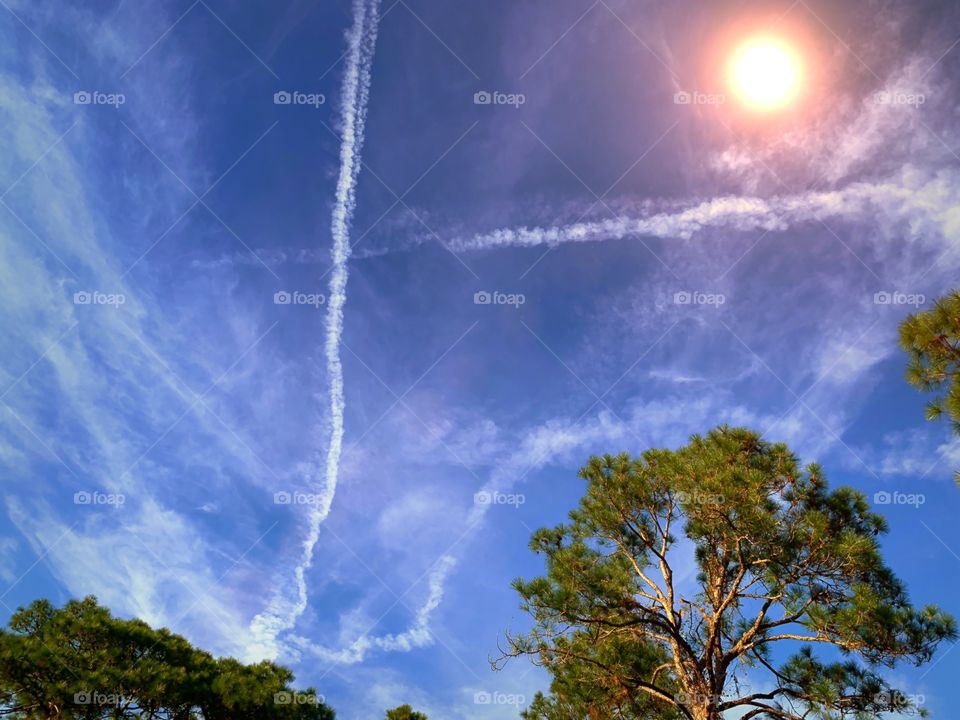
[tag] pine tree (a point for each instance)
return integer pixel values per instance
(80, 662)
(785, 565)
(405, 712)
(931, 339)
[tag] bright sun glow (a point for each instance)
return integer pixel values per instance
(765, 74)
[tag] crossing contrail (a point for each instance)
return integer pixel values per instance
(283, 613)
(730, 212)
(922, 200)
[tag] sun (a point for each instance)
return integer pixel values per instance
(765, 73)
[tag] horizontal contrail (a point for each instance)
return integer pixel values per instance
(891, 199)
(731, 212)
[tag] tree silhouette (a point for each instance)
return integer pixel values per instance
(80, 662)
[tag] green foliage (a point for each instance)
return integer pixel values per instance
(931, 339)
(783, 562)
(80, 662)
(405, 712)
(588, 680)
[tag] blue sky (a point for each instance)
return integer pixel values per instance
(654, 268)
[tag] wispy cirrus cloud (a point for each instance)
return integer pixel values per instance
(132, 413)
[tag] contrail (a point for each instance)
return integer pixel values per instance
(417, 636)
(731, 212)
(282, 614)
(913, 198)
(356, 93)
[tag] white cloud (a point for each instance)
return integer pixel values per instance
(8, 560)
(421, 518)
(94, 386)
(919, 453)
(145, 561)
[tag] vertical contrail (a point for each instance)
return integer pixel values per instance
(355, 94)
(281, 614)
